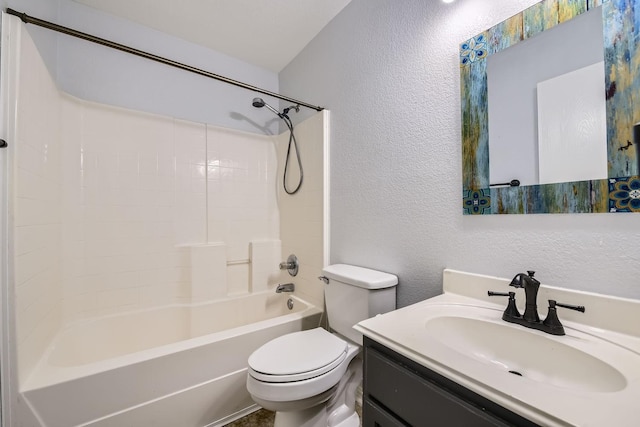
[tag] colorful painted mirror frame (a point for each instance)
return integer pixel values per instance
(621, 191)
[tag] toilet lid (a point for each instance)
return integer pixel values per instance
(298, 356)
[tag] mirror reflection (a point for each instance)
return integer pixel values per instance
(546, 106)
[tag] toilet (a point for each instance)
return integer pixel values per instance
(310, 378)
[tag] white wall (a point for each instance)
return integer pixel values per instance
(47, 10)
(93, 72)
(302, 215)
(36, 211)
(389, 72)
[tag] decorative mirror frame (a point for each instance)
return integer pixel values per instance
(621, 191)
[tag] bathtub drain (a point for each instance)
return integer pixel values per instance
(290, 303)
(515, 373)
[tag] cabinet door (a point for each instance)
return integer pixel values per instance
(374, 416)
(418, 401)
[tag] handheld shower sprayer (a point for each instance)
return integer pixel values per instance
(259, 103)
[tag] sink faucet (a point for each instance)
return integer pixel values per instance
(530, 285)
(287, 287)
(530, 319)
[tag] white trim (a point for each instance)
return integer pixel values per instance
(326, 133)
(11, 33)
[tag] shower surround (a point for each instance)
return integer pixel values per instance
(115, 210)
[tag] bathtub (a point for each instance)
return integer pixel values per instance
(174, 366)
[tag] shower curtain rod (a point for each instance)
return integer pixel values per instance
(71, 32)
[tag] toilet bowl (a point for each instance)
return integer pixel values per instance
(304, 370)
(309, 378)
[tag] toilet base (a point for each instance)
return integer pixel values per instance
(339, 410)
(335, 407)
(311, 417)
(352, 421)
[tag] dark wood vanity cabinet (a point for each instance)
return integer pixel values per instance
(399, 392)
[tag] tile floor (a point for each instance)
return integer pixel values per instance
(261, 418)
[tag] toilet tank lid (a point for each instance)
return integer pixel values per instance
(360, 276)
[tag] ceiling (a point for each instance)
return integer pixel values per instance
(267, 33)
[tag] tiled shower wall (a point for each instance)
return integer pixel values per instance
(141, 189)
(135, 189)
(241, 183)
(36, 211)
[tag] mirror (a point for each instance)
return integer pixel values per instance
(544, 110)
(557, 67)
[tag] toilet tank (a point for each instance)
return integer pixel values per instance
(354, 294)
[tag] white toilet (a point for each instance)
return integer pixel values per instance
(310, 378)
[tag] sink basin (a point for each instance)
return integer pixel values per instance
(551, 380)
(526, 353)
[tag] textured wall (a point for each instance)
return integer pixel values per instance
(389, 73)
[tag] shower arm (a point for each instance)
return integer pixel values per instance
(94, 39)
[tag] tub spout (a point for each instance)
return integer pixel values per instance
(287, 287)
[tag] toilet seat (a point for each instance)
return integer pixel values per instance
(274, 395)
(297, 356)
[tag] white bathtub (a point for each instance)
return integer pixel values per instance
(175, 366)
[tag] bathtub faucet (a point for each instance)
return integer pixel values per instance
(291, 265)
(287, 287)
(287, 265)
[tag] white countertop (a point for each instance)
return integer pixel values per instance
(609, 330)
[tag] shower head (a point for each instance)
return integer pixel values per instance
(259, 103)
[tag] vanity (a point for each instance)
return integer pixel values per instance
(399, 391)
(453, 361)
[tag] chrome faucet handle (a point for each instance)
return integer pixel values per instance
(511, 312)
(552, 322)
(291, 265)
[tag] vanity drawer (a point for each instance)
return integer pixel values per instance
(416, 400)
(374, 416)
